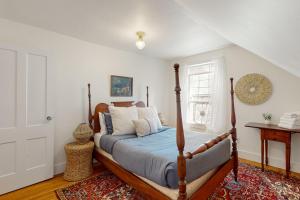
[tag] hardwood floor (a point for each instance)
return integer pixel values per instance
(46, 190)
(271, 168)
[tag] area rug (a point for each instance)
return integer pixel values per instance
(105, 186)
(253, 185)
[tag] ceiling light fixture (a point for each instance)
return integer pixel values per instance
(140, 43)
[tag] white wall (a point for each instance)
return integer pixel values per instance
(77, 63)
(286, 97)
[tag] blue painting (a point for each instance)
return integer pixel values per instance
(121, 86)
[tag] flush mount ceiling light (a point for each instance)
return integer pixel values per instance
(140, 43)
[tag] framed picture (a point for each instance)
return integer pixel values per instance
(121, 86)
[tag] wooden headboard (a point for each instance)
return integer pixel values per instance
(103, 107)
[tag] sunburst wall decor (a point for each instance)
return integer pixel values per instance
(253, 89)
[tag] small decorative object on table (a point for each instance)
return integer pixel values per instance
(83, 133)
(267, 117)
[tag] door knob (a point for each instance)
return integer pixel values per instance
(49, 118)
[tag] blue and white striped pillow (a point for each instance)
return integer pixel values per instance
(108, 123)
(145, 126)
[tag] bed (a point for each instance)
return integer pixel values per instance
(161, 166)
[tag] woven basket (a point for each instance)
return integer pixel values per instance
(83, 133)
(79, 161)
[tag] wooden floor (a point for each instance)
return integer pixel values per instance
(275, 169)
(46, 190)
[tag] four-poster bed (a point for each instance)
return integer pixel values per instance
(210, 180)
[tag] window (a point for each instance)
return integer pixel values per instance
(200, 80)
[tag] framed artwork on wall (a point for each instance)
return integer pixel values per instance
(121, 86)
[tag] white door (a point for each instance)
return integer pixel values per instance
(26, 112)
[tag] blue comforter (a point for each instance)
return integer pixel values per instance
(155, 156)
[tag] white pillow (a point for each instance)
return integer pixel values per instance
(145, 127)
(122, 119)
(149, 113)
(102, 124)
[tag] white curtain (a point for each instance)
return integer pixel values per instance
(219, 98)
(184, 94)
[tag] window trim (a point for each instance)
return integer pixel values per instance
(194, 124)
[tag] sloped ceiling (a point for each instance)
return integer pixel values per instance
(170, 33)
(268, 28)
(174, 28)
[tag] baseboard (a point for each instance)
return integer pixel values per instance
(273, 161)
(59, 168)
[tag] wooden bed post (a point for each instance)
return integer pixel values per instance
(233, 134)
(90, 107)
(147, 96)
(181, 162)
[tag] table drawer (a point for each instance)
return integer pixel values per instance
(276, 135)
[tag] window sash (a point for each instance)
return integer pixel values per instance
(199, 94)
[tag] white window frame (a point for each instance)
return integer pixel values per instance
(193, 122)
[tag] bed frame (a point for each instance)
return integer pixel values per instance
(149, 191)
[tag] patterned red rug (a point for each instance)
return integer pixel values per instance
(253, 185)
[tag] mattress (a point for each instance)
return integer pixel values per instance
(107, 142)
(154, 157)
(171, 193)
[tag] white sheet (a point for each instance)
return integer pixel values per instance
(97, 137)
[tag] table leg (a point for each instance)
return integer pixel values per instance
(267, 159)
(262, 154)
(288, 158)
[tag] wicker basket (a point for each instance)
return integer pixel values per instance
(79, 161)
(83, 133)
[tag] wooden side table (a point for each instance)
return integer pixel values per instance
(79, 161)
(274, 133)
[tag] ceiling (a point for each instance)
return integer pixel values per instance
(174, 28)
(170, 33)
(268, 28)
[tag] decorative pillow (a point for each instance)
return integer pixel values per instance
(102, 124)
(122, 119)
(108, 123)
(145, 127)
(149, 113)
